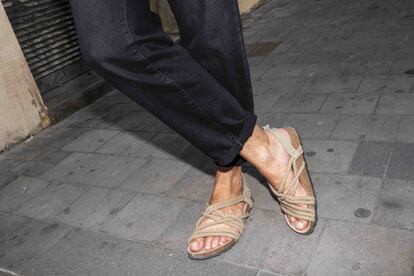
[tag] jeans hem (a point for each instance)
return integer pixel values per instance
(247, 130)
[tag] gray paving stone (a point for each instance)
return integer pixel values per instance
(76, 253)
(350, 103)
(156, 125)
(345, 197)
(267, 273)
(55, 138)
(50, 200)
(29, 240)
(279, 59)
(270, 244)
(395, 208)
(32, 168)
(165, 145)
(91, 112)
(333, 255)
(134, 121)
(19, 191)
(196, 184)
(402, 160)
(286, 85)
(156, 176)
(264, 102)
(315, 126)
(8, 165)
(95, 207)
(127, 143)
(254, 60)
(366, 127)
(9, 224)
(107, 121)
(318, 56)
(263, 197)
(273, 119)
(303, 103)
(260, 86)
(90, 140)
(368, 68)
(145, 217)
(329, 156)
(385, 84)
(400, 66)
(94, 169)
(180, 229)
(284, 70)
(137, 259)
(23, 152)
(6, 178)
(396, 103)
(324, 70)
(38, 154)
(33, 163)
(405, 131)
(371, 159)
(210, 267)
(335, 85)
(258, 70)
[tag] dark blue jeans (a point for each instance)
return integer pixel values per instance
(200, 87)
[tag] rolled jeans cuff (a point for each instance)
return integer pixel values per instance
(232, 155)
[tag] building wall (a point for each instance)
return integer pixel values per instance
(22, 112)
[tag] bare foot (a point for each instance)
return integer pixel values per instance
(228, 184)
(269, 157)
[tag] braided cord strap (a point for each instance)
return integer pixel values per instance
(289, 202)
(217, 216)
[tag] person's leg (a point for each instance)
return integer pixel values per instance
(211, 32)
(124, 42)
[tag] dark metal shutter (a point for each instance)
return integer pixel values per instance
(47, 36)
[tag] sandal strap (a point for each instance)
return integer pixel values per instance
(217, 216)
(289, 203)
(296, 211)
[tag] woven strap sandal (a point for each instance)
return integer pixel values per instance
(289, 203)
(219, 217)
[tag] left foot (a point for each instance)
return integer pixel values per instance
(271, 159)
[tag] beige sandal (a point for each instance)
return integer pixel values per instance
(288, 201)
(219, 217)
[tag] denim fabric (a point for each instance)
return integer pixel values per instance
(200, 87)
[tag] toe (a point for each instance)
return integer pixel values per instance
(197, 245)
(223, 240)
(301, 224)
(215, 242)
(292, 220)
(207, 243)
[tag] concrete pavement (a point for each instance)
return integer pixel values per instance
(111, 190)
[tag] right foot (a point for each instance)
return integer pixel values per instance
(228, 184)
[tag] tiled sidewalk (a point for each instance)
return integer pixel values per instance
(112, 191)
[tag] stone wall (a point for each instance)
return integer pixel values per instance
(22, 111)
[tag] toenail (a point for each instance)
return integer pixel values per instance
(221, 243)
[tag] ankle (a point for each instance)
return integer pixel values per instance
(257, 148)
